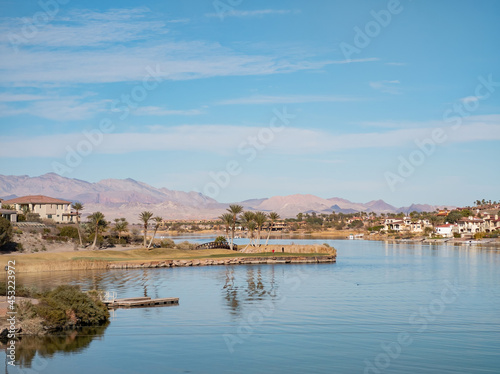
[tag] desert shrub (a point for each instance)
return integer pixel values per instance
(19, 247)
(68, 231)
(185, 245)
(167, 243)
(5, 231)
(33, 217)
(68, 306)
(25, 310)
(21, 291)
(356, 224)
(339, 226)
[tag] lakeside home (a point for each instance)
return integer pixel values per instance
(446, 230)
(406, 224)
(46, 207)
(471, 225)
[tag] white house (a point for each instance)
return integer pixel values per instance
(445, 231)
(47, 207)
(394, 224)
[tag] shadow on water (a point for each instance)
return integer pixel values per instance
(66, 342)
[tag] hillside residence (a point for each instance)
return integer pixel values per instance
(47, 207)
(406, 224)
(470, 225)
(491, 222)
(8, 214)
(446, 230)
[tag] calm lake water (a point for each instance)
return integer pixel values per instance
(382, 308)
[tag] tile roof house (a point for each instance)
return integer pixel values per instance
(470, 225)
(47, 207)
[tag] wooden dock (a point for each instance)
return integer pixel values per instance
(134, 302)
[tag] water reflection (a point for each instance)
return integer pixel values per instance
(47, 346)
(254, 287)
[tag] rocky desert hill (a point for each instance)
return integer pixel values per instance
(128, 197)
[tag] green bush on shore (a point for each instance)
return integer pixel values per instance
(66, 307)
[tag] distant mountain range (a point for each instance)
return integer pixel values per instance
(128, 197)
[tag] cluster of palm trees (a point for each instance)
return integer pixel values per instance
(484, 202)
(145, 217)
(252, 221)
(97, 224)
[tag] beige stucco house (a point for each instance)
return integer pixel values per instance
(47, 207)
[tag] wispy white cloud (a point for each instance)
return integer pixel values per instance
(469, 99)
(58, 109)
(159, 111)
(390, 87)
(175, 61)
(290, 99)
(355, 60)
(14, 97)
(290, 141)
(88, 28)
(253, 13)
(118, 45)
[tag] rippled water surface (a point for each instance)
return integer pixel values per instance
(382, 308)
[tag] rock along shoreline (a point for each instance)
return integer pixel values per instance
(225, 262)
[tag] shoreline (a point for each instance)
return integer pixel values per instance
(163, 257)
(227, 261)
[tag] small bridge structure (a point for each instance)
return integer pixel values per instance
(212, 245)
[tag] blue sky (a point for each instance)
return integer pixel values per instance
(257, 98)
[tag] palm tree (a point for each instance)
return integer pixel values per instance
(78, 207)
(234, 210)
(227, 221)
(247, 221)
(273, 216)
(158, 221)
(251, 226)
(246, 218)
(260, 219)
(145, 217)
(121, 225)
(97, 223)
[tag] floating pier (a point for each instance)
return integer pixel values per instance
(135, 302)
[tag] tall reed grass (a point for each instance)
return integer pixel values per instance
(43, 266)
